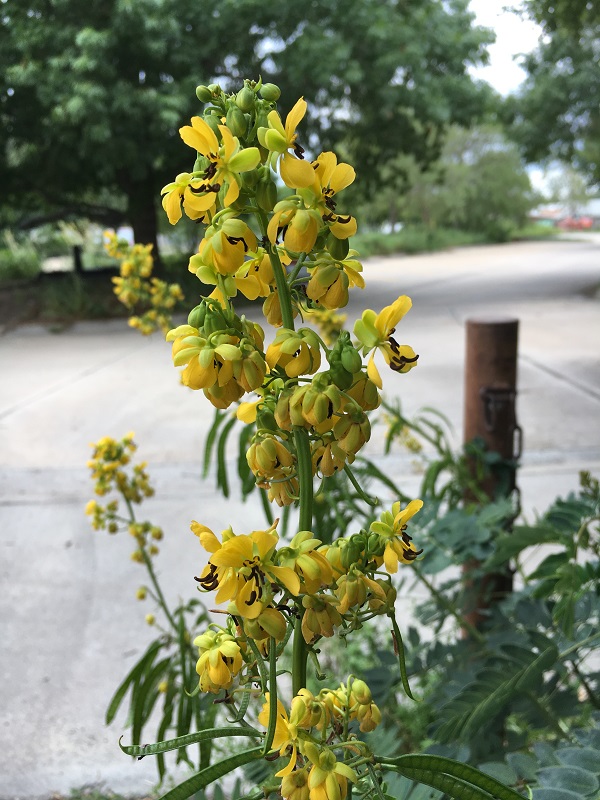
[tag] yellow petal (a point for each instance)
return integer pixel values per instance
(391, 315)
(373, 373)
(171, 203)
(343, 175)
(294, 118)
(295, 173)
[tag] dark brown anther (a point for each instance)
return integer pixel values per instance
(344, 220)
(299, 151)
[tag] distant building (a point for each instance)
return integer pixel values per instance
(587, 217)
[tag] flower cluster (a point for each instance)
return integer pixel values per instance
(309, 418)
(112, 472)
(308, 734)
(137, 289)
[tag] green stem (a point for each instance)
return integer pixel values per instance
(575, 647)
(464, 623)
(153, 579)
(272, 696)
(297, 268)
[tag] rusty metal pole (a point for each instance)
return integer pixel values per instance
(490, 393)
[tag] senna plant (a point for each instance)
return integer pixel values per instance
(310, 420)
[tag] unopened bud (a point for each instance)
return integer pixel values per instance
(245, 99)
(203, 94)
(270, 92)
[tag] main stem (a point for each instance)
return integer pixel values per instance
(305, 477)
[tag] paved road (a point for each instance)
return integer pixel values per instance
(69, 622)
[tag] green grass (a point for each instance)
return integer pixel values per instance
(413, 240)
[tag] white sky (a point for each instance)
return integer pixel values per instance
(514, 36)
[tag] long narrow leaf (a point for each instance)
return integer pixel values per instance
(140, 717)
(144, 662)
(440, 765)
(211, 774)
(210, 441)
(222, 480)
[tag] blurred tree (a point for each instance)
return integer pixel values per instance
(569, 188)
(478, 184)
(566, 15)
(556, 115)
(92, 94)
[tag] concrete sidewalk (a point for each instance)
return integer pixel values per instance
(70, 623)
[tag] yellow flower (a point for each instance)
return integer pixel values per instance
(224, 246)
(225, 161)
(220, 660)
(329, 179)
(391, 528)
(296, 352)
(286, 734)
(330, 279)
(184, 190)
(320, 616)
(295, 785)
(355, 588)
(307, 562)
(374, 331)
(280, 139)
(301, 225)
(328, 778)
(245, 570)
(255, 276)
(270, 459)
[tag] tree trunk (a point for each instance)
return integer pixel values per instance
(141, 213)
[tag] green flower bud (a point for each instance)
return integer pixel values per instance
(196, 316)
(203, 94)
(340, 375)
(351, 359)
(250, 178)
(236, 121)
(214, 89)
(245, 99)
(270, 92)
(266, 194)
(375, 545)
(213, 121)
(337, 247)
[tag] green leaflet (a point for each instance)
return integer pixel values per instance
(212, 773)
(481, 701)
(428, 768)
(184, 741)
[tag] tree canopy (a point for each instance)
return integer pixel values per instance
(556, 114)
(92, 95)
